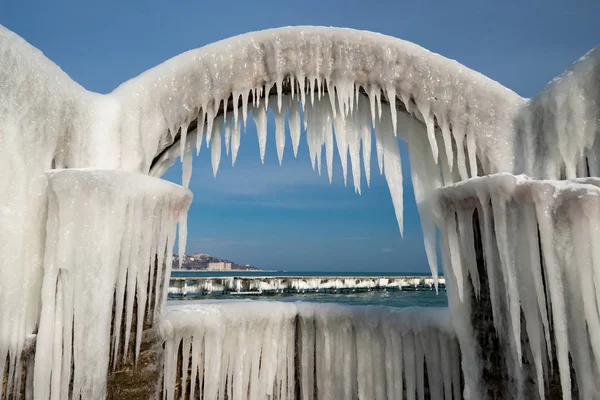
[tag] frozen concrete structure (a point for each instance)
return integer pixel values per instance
(86, 223)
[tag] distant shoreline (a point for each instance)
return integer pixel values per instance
(224, 270)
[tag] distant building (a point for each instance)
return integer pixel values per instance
(219, 266)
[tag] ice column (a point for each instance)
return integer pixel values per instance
(107, 232)
(543, 269)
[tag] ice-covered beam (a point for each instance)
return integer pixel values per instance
(110, 237)
(157, 103)
(274, 350)
(542, 268)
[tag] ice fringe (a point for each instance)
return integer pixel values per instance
(274, 350)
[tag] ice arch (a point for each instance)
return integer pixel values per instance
(457, 123)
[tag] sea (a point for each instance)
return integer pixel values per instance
(388, 298)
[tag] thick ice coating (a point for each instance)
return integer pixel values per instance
(46, 121)
(110, 233)
(274, 350)
(298, 284)
(542, 265)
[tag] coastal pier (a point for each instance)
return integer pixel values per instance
(269, 285)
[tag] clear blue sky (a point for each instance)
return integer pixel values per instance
(288, 217)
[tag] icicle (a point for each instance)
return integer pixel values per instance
(469, 259)
(318, 86)
(278, 84)
(235, 141)
(280, 131)
(472, 152)
(372, 94)
(379, 147)
(425, 110)
(216, 146)
(555, 288)
(339, 123)
(353, 137)
(392, 168)
(301, 84)
(503, 237)
(459, 136)
(294, 124)
(183, 129)
(227, 135)
(447, 142)
(332, 95)
(200, 129)
(260, 119)
(425, 179)
(391, 95)
(292, 85)
(328, 135)
(236, 107)
(245, 107)
(365, 137)
(406, 99)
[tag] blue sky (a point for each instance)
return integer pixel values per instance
(288, 217)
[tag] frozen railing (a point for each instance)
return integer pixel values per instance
(277, 350)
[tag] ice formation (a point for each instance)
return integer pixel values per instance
(46, 121)
(110, 233)
(336, 85)
(272, 350)
(184, 286)
(543, 268)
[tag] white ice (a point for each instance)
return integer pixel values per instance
(258, 350)
(556, 294)
(109, 233)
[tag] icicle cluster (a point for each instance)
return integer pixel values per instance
(109, 233)
(541, 263)
(273, 350)
(558, 129)
(199, 83)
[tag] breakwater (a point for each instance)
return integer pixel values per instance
(186, 286)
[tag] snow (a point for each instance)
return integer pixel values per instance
(512, 210)
(105, 229)
(258, 350)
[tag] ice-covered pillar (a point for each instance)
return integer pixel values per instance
(109, 241)
(522, 252)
